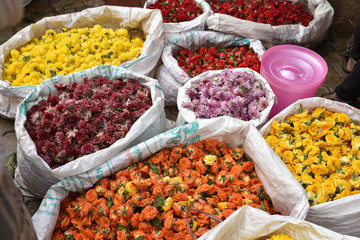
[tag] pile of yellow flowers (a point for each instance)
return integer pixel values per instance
(321, 149)
(280, 237)
(69, 51)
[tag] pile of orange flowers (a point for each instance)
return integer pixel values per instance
(150, 199)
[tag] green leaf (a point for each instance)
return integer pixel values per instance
(121, 227)
(53, 72)
(154, 168)
(244, 89)
(301, 109)
(354, 176)
(140, 238)
(159, 200)
(26, 58)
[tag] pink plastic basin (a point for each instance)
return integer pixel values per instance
(293, 73)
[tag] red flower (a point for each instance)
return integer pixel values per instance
(264, 11)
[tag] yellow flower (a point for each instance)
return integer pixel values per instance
(323, 196)
(319, 169)
(287, 156)
(313, 129)
(317, 112)
(329, 186)
(313, 188)
(279, 237)
(355, 142)
(343, 118)
(168, 203)
(332, 140)
(344, 193)
(209, 159)
(356, 166)
(130, 188)
(307, 179)
(222, 205)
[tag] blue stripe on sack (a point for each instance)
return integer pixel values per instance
(148, 148)
(109, 168)
(158, 87)
(52, 198)
(89, 178)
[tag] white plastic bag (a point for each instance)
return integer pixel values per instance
(33, 174)
(249, 223)
(197, 24)
(341, 215)
(149, 22)
(286, 193)
(186, 115)
(194, 41)
(297, 34)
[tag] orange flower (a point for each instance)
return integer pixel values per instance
(227, 212)
(168, 222)
(184, 163)
(104, 222)
(236, 198)
(91, 195)
(148, 213)
(248, 166)
(210, 145)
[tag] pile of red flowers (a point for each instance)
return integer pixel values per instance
(177, 10)
(84, 118)
(214, 58)
(274, 12)
(150, 199)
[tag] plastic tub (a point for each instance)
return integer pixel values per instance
(293, 73)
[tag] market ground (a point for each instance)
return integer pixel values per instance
(331, 49)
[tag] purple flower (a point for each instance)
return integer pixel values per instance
(235, 94)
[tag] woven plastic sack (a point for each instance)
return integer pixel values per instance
(249, 223)
(287, 194)
(149, 22)
(33, 174)
(187, 115)
(309, 36)
(341, 215)
(173, 75)
(197, 24)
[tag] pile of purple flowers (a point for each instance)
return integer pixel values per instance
(235, 94)
(84, 118)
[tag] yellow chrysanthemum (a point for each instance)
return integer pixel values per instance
(314, 188)
(313, 129)
(323, 196)
(69, 48)
(319, 169)
(343, 118)
(329, 186)
(332, 140)
(279, 237)
(317, 112)
(356, 166)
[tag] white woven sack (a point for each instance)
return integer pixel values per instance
(186, 115)
(287, 194)
(33, 174)
(297, 34)
(194, 41)
(197, 24)
(249, 223)
(149, 22)
(341, 215)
